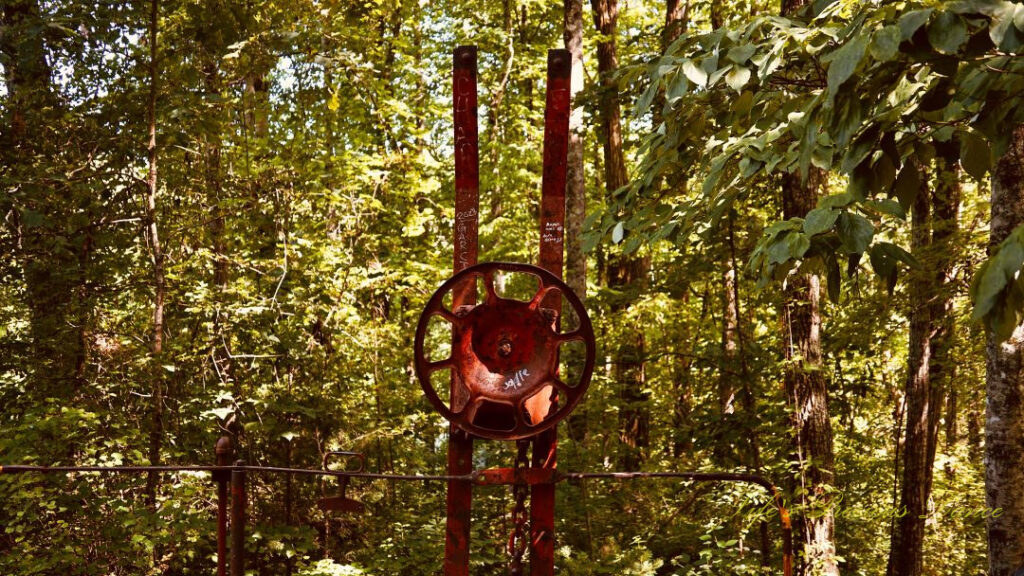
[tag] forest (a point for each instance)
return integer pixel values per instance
(797, 228)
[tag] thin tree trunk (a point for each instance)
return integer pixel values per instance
(216, 228)
(740, 370)
(908, 537)
(945, 241)
(728, 374)
(495, 132)
(1004, 390)
(575, 193)
(929, 371)
(575, 189)
(156, 432)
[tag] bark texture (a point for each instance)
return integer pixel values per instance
(928, 369)
(575, 194)
(1004, 389)
(156, 432)
(806, 390)
(575, 189)
(625, 273)
(807, 394)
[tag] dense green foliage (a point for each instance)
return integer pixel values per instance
(305, 210)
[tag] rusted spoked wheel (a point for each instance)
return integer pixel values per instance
(504, 360)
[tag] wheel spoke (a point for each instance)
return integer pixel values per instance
(540, 295)
(492, 295)
(520, 410)
(446, 314)
(561, 385)
(440, 364)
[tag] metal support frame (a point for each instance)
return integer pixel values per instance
(238, 506)
(465, 244)
(542, 477)
(482, 478)
(225, 452)
(552, 232)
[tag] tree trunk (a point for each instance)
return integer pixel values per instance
(156, 432)
(1004, 390)
(805, 386)
(908, 537)
(806, 391)
(677, 18)
(58, 314)
(575, 189)
(625, 273)
(606, 16)
(728, 373)
(934, 222)
(575, 194)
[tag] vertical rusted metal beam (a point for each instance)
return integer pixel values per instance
(238, 504)
(552, 226)
(467, 203)
(224, 451)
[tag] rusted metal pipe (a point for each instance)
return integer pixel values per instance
(465, 243)
(225, 452)
(552, 231)
(238, 505)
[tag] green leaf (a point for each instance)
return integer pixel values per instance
(31, 218)
(911, 21)
(836, 200)
(907, 185)
(843, 62)
(694, 73)
(740, 54)
(797, 244)
(947, 32)
(975, 154)
(645, 100)
(833, 278)
(885, 43)
(618, 232)
(855, 232)
(820, 220)
(221, 413)
(1002, 20)
(897, 253)
(737, 78)
(677, 88)
(887, 206)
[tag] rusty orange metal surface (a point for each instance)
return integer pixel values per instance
(464, 241)
(504, 354)
(552, 233)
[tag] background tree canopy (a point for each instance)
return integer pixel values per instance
(225, 217)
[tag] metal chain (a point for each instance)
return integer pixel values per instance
(517, 541)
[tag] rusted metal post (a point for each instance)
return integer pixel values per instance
(238, 520)
(467, 202)
(552, 227)
(224, 451)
